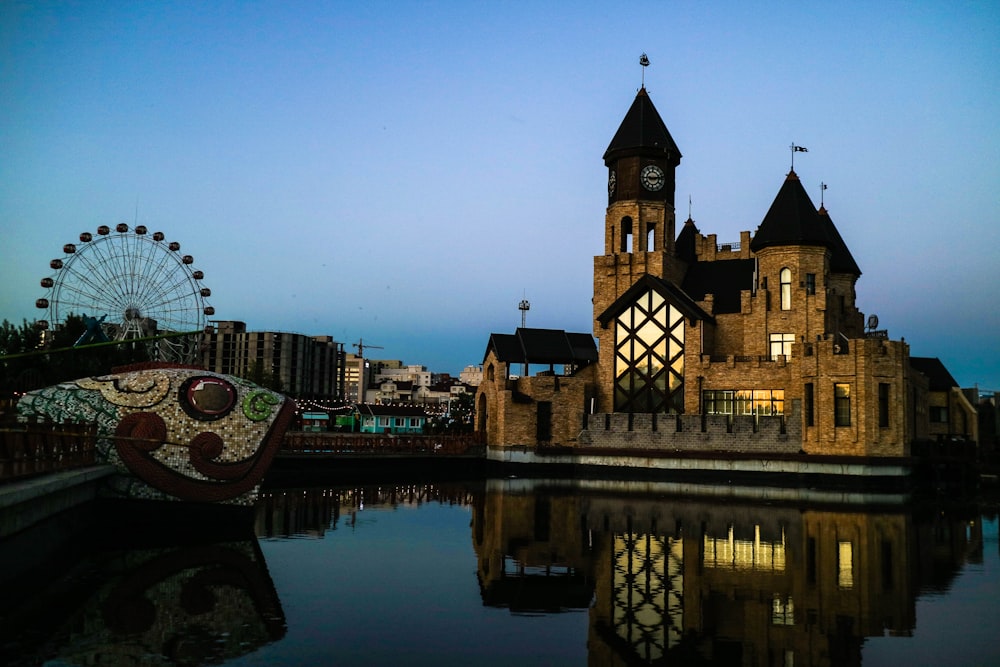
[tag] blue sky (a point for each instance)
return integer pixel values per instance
(406, 173)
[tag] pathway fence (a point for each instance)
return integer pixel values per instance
(298, 442)
(39, 447)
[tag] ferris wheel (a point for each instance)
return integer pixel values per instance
(129, 284)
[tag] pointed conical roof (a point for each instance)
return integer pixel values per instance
(791, 220)
(643, 132)
(685, 244)
(841, 260)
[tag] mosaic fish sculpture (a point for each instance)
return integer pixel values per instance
(176, 432)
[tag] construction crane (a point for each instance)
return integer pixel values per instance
(361, 347)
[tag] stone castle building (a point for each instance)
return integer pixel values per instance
(756, 346)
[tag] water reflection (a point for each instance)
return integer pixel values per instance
(135, 603)
(632, 574)
(682, 581)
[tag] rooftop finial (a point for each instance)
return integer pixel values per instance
(644, 61)
(689, 207)
(822, 191)
(797, 149)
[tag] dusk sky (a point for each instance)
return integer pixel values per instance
(406, 173)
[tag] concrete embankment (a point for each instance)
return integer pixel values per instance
(23, 503)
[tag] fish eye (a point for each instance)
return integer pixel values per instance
(207, 398)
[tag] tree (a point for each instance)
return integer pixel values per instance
(24, 372)
(57, 360)
(256, 373)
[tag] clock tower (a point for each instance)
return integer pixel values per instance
(639, 223)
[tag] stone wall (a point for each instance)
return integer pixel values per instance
(695, 433)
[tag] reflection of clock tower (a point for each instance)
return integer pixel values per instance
(639, 224)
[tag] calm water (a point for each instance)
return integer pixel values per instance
(514, 572)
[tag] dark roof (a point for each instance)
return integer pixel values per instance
(725, 279)
(793, 220)
(939, 377)
(401, 385)
(372, 409)
(841, 260)
(685, 244)
(643, 129)
(543, 346)
(666, 289)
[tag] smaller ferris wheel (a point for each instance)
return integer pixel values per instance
(129, 284)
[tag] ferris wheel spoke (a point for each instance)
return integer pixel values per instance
(88, 283)
(102, 266)
(155, 274)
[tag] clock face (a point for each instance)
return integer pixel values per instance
(612, 179)
(652, 177)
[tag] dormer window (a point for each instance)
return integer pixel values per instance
(786, 288)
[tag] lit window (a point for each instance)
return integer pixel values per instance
(649, 357)
(842, 404)
(755, 402)
(786, 289)
(781, 344)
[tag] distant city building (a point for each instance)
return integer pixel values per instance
(301, 366)
(471, 375)
(413, 384)
(399, 419)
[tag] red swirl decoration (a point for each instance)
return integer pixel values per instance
(144, 431)
(140, 433)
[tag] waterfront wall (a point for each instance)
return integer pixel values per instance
(695, 433)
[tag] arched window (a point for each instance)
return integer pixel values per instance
(490, 373)
(786, 289)
(626, 234)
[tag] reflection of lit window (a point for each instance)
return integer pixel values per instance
(648, 592)
(782, 611)
(756, 554)
(845, 565)
(781, 343)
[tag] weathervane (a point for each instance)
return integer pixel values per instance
(644, 61)
(797, 149)
(822, 191)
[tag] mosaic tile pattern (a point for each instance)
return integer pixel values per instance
(179, 433)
